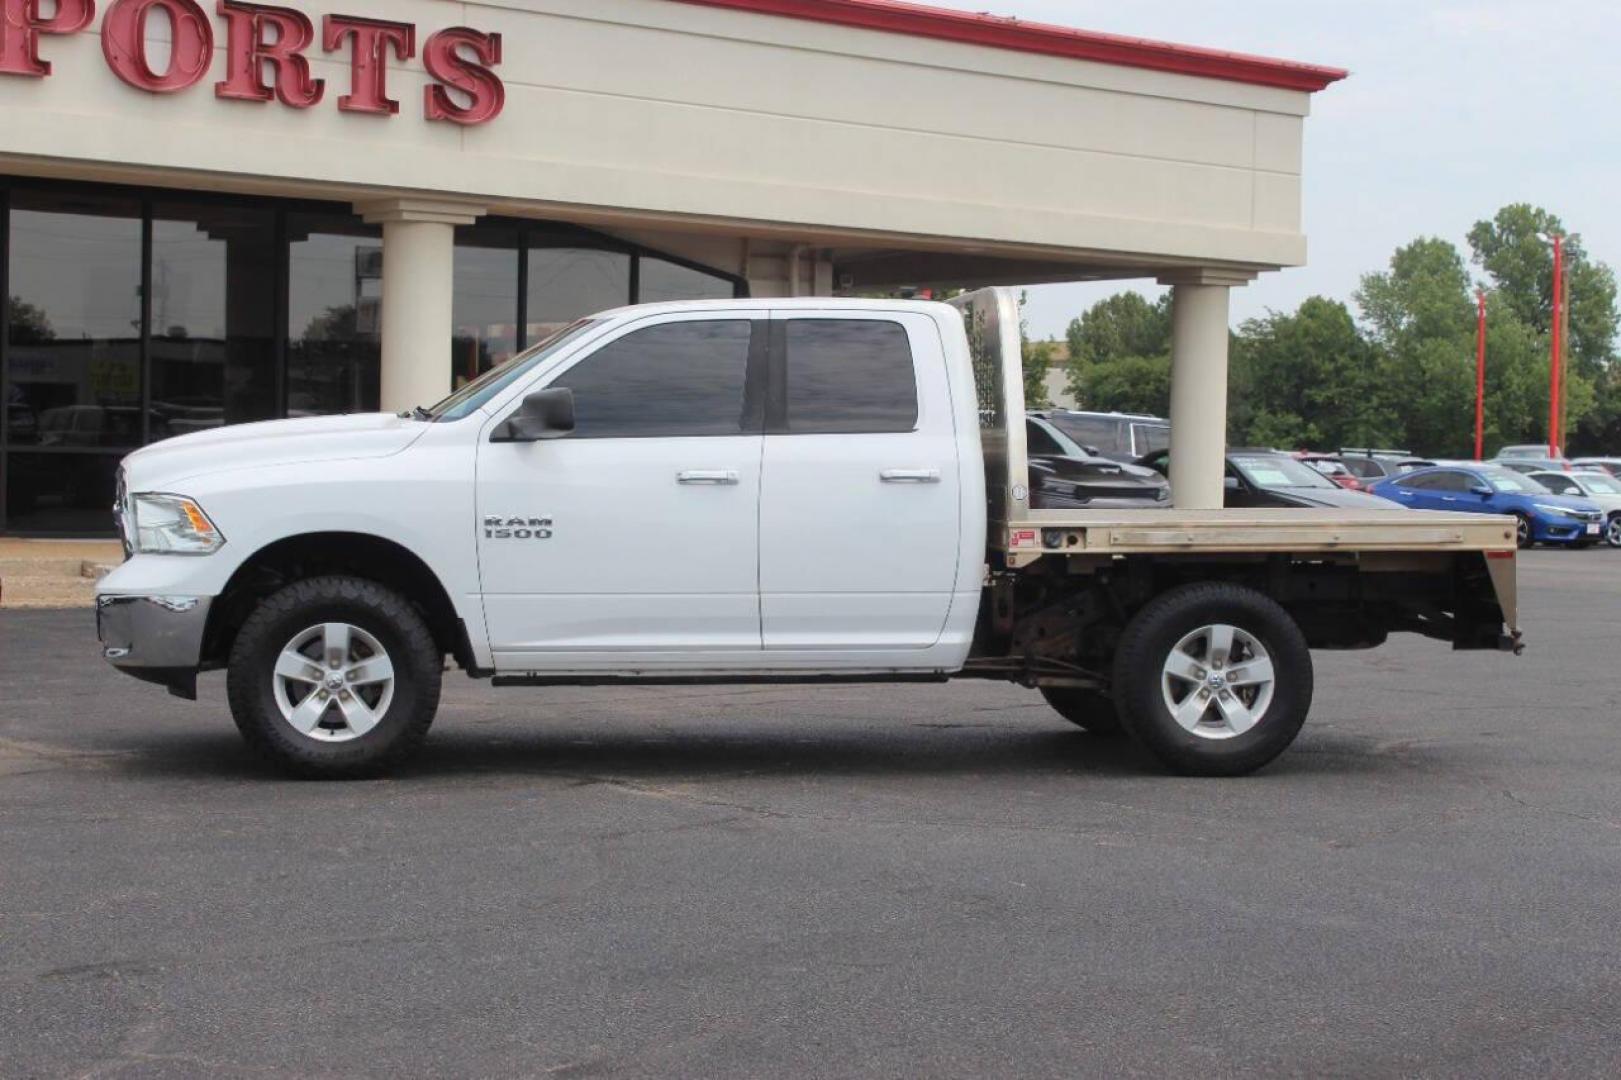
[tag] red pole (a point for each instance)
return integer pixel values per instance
(1480, 379)
(1555, 374)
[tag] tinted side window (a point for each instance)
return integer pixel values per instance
(676, 379)
(1037, 441)
(1151, 437)
(848, 376)
(1419, 483)
(1101, 432)
(1451, 481)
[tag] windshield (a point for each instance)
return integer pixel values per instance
(1275, 471)
(476, 394)
(1505, 481)
(1600, 485)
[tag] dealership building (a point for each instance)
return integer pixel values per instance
(215, 212)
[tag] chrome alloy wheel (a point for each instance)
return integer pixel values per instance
(333, 682)
(1218, 682)
(1612, 532)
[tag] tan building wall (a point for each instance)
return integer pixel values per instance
(653, 114)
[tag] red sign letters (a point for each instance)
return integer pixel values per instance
(266, 51)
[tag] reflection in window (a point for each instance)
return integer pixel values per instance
(677, 379)
(568, 283)
(213, 316)
(73, 357)
(61, 493)
(660, 280)
(850, 375)
(334, 324)
(485, 302)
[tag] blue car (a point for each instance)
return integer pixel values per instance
(1487, 488)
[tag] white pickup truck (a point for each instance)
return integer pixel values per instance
(773, 490)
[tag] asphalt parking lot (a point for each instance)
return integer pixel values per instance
(936, 881)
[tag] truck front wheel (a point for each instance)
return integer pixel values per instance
(1086, 709)
(1213, 679)
(334, 677)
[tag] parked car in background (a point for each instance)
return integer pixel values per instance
(1526, 452)
(1488, 488)
(1610, 465)
(1599, 488)
(1527, 466)
(1333, 468)
(1120, 436)
(1272, 478)
(1372, 465)
(1063, 476)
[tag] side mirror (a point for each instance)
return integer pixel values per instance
(1231, 483)
(545, 414)
(1484, 491)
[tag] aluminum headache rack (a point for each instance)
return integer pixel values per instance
(1024, 535)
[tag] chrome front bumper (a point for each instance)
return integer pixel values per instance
(155, 638)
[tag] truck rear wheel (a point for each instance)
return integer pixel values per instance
(1213, 679)
(334, 677)
(1086, 709)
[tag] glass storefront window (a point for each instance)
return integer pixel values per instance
(249, 309)
(334, 315)
(660, 281)
(73, 357)
(567, 283)
(484, 309)
(74, 341)
(213, 316)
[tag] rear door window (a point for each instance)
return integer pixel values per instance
(848, 376)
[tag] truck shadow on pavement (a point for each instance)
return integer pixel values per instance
(598, 754)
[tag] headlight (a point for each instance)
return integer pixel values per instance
(172, 525)
(1555, 511)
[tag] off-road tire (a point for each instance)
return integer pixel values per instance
(1139, 668)
(381, 612)
(1090, 710)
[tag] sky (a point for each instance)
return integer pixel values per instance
(1454, 108)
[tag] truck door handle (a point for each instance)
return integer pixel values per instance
(717, 477)
(910, 476)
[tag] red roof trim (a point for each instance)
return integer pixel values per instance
(999, 32)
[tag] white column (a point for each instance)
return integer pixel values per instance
(419, 276)
(1200, 309)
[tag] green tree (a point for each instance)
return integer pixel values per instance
(29, 325)
(1121, 336)
(1511, 249)
(1140, 384)
(1037, 360)
(1308, 379)
(1421, 318)
(1125, 324)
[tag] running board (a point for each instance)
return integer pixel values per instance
(868, 679)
